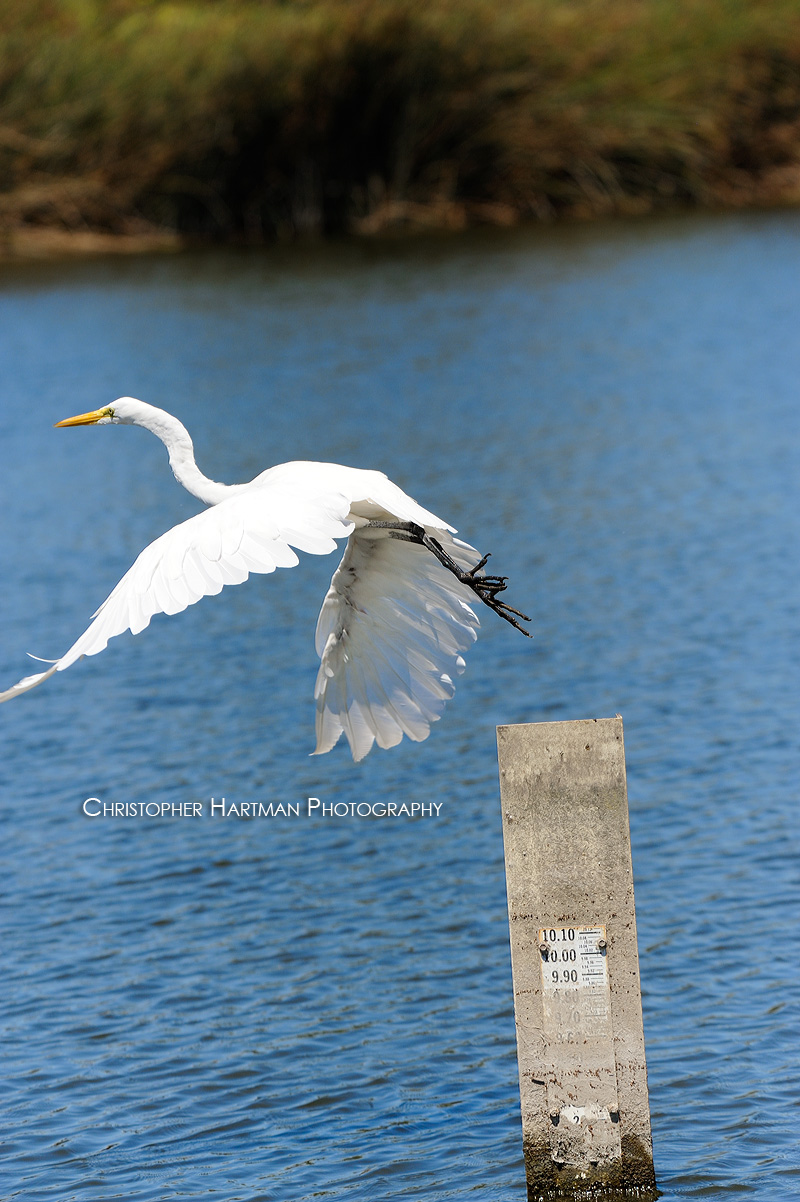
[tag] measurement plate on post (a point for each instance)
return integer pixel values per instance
(573, 958)
(581, 1079)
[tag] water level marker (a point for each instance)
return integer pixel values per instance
(575, 964)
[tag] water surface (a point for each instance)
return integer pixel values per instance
(291, 1008)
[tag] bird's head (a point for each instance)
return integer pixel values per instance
(126, 410)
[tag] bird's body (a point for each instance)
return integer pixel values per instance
(394, 623)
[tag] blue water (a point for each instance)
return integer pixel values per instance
(305, 1007)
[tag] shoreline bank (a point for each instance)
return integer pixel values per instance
(169, 123)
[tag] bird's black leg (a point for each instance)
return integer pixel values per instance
(485, 587)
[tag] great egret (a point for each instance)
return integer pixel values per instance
(396, 616)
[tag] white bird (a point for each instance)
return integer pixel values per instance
(396, 617)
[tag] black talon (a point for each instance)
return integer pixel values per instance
(482, 563)
(485, 587)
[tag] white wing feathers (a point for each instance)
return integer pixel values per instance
(253, 531)
(390, 637)
(393, 625)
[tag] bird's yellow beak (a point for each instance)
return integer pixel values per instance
(86, 419)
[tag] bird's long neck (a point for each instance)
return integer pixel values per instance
(175, 438)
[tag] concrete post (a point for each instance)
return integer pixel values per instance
(577, 999)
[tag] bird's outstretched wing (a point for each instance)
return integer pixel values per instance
(252, 531)
(390, 636)
(393, 625)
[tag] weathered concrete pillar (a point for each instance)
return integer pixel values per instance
(577, 1000)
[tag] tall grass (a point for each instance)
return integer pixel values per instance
(257, 118)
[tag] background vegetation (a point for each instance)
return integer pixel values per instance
(253, 119)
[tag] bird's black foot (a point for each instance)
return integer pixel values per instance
(485, 587)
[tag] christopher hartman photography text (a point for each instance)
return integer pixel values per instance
(312, 807)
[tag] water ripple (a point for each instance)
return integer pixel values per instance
(293, 1008)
